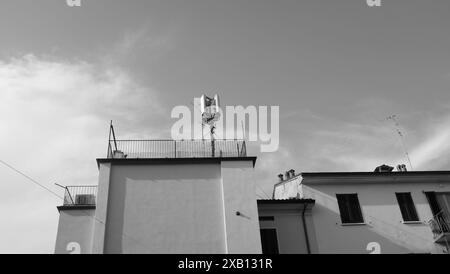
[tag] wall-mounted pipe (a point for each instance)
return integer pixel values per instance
(305, 229)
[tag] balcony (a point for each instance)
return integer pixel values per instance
(440, 226)
(148, 149)
(80, 196)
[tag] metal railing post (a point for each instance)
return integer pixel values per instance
(70, 196)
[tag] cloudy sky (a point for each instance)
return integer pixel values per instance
(337, 69)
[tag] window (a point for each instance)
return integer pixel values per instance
(266, 218)
(407, 207)
(440, 206)
(269, 241)
(349, 208)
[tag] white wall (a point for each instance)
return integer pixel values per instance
(239, 195)
(76, 227)
(289, 225)
(381, 214)
(98, 241)
(165, 209)
(288, 189)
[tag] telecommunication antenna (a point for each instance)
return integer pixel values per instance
(196, 106)
(393, 118)
(209, 108)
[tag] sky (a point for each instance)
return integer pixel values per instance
(336, 69)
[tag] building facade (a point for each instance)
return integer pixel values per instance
(193, 200)
(286, 226)
(375, 212)
(199, 197)
(176, 204)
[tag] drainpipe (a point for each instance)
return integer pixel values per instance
(305, 229)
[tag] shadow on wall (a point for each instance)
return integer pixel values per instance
(333, 237)
(383, 225)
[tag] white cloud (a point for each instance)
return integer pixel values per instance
(134, 43)
(54, 117)
(434, 151)
(54, 122)
(361, 146)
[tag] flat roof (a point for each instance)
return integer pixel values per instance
(333, 177)
(285, 201)
(393, 173)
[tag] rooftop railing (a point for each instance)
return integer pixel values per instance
(80, 195)
(176, 148)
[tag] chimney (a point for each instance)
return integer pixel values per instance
(288, 175)
(383, 168)
(292, 171)
(281, 177)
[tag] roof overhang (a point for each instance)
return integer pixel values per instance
(176, 161)
(76, 207)
(286, 205)
(375, 177)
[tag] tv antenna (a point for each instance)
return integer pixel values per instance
(393, 118)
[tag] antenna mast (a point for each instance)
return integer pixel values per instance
(209, 107)
(393, 118)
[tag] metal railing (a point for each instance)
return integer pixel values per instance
(176, 148)
(80, 195)
(440, 224)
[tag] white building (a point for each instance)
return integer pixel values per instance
(199, 197)
(165, 197)
(170, 196)
(375, 212)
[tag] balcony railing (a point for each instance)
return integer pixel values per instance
(80, 195)
(176, 148)
(440, 226)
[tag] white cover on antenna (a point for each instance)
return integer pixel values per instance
(216, 102)
(202, 104)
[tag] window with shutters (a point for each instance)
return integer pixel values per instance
(407, 207)
(349, 208)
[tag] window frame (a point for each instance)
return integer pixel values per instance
(358, 208)
(276, 235)
(405, 202)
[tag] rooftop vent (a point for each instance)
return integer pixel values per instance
(384, 168)
(281, 177)
(119, 154)
(401, 168)
(85, 199)
(288, 175)
(292, 171)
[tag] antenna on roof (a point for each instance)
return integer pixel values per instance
(209, 108)
(393, 118)
(198, 107)
(111, 142)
